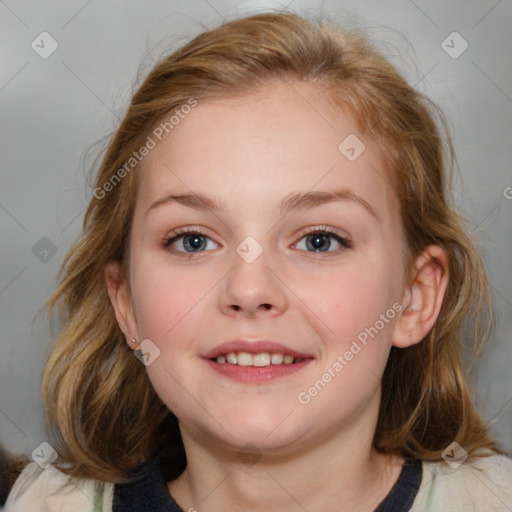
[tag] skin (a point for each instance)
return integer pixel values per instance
(250, 153)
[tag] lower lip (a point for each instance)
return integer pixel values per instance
(255, 373)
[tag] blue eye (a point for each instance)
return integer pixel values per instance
(191, 242)
(317, 240)
(322, 241)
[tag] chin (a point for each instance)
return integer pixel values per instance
(268, 434)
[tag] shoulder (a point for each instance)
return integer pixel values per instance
(49, 490)
(485, 484)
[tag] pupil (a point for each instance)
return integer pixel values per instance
(318, 242)
(195, 242)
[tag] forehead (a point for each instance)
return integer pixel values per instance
(261, 146)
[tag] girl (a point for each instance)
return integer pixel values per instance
(272, 235)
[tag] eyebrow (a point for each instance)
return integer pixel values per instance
(305, 200)
(192, 200)
(294, 201)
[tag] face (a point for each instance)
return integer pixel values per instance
(253, 229)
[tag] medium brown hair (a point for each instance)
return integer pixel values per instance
(104, 412)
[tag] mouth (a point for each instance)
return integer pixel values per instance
(255, 361)
(259, 360)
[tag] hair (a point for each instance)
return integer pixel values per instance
(10, 468)
(100, 404)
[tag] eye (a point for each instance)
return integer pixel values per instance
(189, 241)
(318, 239)
(322, 240)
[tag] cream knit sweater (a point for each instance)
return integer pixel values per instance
(485, 485)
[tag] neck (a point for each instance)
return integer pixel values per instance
(341, 472)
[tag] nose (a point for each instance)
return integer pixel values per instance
(252, 290)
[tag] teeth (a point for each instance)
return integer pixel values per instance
(262, 359)
(259, 360)
(244, 359)
(277, 358)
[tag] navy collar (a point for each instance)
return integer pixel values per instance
(147, 490)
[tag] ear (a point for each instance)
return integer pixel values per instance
(423, 297)
(120, 297)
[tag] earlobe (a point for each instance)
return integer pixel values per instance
(120, 298)
(423, 298)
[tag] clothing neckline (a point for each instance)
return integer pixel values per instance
(402, 495)
(146, 490)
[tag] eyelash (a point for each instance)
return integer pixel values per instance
(321, 230)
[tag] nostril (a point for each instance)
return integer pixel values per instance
(265, 306)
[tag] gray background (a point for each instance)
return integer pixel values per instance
(53, 109)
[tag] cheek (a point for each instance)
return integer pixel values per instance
(359, 306)
(166, 296)
(349, 302)
(169, 309)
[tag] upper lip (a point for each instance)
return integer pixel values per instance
(252, 347)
